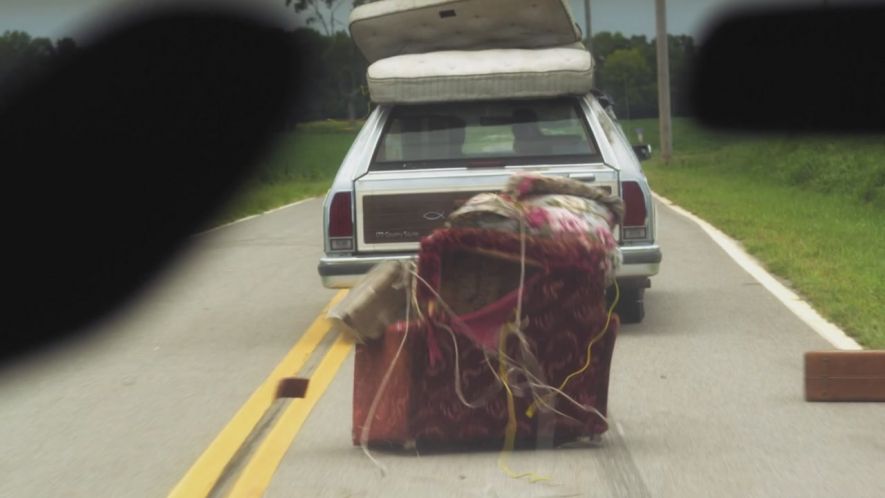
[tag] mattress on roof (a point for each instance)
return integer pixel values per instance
(394, 27)
(481, 75)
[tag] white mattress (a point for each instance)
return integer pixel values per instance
(481, 75)
(394, 27)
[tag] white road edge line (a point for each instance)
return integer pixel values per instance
(247, 218)
(826, 329)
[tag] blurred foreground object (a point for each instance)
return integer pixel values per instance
(293, 387)
(375, 303)
(845, 376)
(794, 69)
(111, 161)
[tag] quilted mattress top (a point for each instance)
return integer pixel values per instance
(458, 75)
(388, 28)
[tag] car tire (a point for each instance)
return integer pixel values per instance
(631, 305)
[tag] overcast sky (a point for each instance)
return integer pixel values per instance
(55, 18)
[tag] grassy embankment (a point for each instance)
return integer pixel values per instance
(811, 208)
(302, 164)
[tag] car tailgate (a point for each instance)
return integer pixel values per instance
(395, 209)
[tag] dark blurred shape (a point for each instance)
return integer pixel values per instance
(292, 387)
(799, 69)
(24, 58)
(643, 152)
(112, 161)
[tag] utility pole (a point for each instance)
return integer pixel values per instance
(663, 80)
(588, 31)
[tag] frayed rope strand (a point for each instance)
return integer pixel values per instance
(370, 417)
(531, 409)
(510, 430)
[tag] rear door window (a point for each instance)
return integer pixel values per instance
(483, 134)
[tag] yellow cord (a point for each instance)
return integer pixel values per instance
(530, 411)
(510, 430)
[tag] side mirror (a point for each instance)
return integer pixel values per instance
(643, 152)
(604, 99)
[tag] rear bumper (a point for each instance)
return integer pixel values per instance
(341, 272)
(640, 261)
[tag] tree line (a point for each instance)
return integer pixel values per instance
(627, 70)
(23, 58)
(333, 83)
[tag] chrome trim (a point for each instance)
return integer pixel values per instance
(641, 270)
(343, 282)
(641, 254)
(584, 177)
(346, 281)
(345, 271)
(343, 265)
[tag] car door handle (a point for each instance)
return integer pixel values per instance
(584, 177)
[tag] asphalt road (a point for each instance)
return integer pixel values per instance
(705, 400)
(126, 412)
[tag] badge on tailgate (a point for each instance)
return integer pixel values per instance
(389, 218)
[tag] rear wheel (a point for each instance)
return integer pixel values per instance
(631, 305)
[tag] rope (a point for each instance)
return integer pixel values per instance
(510, 429)
(599, 336)
(521, 272)
(485, 396)
(531, 409)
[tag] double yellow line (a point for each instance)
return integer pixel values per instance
(201, 478)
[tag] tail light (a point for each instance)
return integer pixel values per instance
(636, 215)
(341, 222)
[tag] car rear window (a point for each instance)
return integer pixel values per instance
(485, 134)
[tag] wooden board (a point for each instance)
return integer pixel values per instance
(845, 376)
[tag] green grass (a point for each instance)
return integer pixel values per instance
(810, 208)
(302, 164)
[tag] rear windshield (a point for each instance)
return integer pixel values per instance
(485, 134)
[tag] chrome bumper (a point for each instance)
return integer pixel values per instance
(640, 261)
(342, 272)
